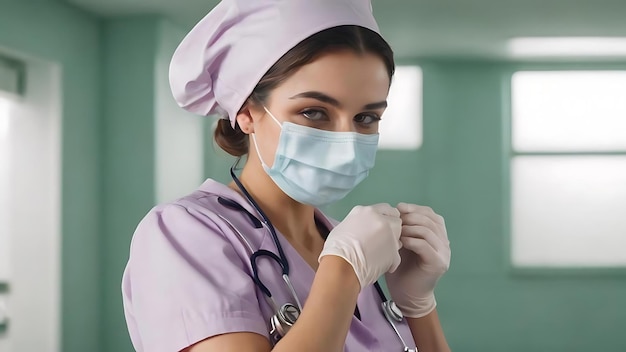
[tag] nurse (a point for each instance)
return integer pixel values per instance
(301, 86)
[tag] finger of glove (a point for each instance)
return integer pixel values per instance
(366, 225)
(406, 208)
(397, 260)
(427, 219)
(373, 230)
(386, 209)
(420, 219)
(427, 234)
(431, 260)
(363, 214)
(395, 224)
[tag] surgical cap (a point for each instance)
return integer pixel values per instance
(218, 64)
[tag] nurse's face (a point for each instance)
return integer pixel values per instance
(339, 91)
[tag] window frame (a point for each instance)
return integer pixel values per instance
(510, 153)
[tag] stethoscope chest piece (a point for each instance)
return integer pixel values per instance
(393, 313)
(283, 320)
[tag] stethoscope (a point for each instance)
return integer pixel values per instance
(287, 314)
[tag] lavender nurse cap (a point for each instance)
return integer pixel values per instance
(218, 63)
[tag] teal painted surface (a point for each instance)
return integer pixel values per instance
(128, 151)
(217, 163)
(51, 31)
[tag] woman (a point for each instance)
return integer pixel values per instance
(302, 86)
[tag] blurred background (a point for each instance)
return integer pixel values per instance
(508, 117)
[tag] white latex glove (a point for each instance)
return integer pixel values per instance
(425, 258)
(368, 239)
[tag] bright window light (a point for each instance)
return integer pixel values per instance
(568, 47)
(568, 211)
(569, 111)
(5, 109)
(401, 125)
(5, 168)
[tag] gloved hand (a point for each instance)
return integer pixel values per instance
(425, 258)
(368, 239)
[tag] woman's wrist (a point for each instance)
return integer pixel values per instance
(337, 270)
(325, 320)
(428, 333)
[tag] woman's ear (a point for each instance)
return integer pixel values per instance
(245, 120)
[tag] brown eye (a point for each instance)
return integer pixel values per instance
(315, 115)
(366, 119)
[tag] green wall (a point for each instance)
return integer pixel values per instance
(61, 34)
(137, 51)
(128, 156)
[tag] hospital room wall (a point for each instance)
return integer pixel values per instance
(64, 36)
(461, 171)
(128, 156)
(151, 152)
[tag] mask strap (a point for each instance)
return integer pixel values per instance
(273, 118)
(256, 147)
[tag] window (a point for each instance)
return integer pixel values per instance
(401, 127)
(4, 118)
(568, 169)
(5, 168)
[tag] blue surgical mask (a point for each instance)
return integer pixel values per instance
(318, 167)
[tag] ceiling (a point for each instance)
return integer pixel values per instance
(435, 28)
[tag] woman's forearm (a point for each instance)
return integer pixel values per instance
(428, 334)
(327, 314)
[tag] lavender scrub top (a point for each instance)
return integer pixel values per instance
(189, 277)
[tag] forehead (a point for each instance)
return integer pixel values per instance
(345, 75)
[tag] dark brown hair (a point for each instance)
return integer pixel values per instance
(359, 39)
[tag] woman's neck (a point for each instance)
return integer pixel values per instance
(294, 220)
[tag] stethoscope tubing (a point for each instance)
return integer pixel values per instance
(282, 261)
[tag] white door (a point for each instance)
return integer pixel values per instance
(30, 166)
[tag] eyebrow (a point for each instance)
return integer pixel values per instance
(334, 102)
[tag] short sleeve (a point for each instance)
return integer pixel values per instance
(184, 282)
